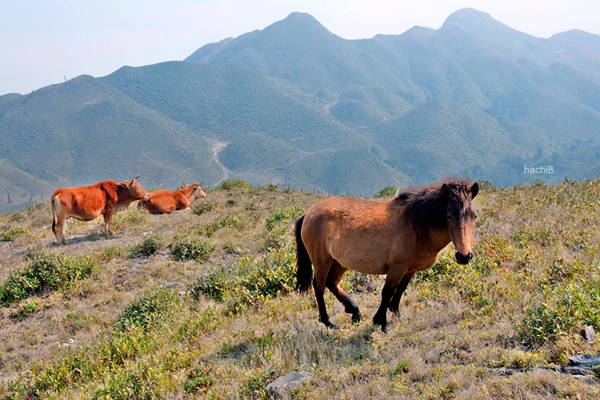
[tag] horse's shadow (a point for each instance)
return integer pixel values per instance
(94, 237)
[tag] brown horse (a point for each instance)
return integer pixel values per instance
(398, 238)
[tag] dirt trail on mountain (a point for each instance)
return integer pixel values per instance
(216, 147)
(333, 103)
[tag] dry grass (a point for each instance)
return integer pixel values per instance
(229, 323)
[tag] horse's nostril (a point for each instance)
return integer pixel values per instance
(462, 258)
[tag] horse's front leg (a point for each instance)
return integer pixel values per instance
(391, 283)
(394, 305)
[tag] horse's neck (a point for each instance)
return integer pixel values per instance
(187, 193)
(439, 238)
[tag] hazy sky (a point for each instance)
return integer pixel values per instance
(45, 41)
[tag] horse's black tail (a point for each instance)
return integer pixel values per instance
(304, 272)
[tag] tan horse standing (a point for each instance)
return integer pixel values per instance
(398, 238)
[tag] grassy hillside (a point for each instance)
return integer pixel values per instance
(200, 304)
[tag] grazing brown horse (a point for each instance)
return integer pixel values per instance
(398, 238)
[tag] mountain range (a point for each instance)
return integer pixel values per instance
(295, 105)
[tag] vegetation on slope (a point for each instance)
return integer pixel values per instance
(295, 105)
(223, 321)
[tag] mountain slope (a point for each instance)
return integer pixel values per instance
(544, 106)
(84, 131)
(294, 104)
(263, 124)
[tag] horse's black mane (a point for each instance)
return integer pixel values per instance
(428, 205)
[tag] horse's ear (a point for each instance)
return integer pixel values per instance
(474, 190)
(446, 189)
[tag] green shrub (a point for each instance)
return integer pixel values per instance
(229, 221)
(45, 272)
(192, 247)
(283, 215)
(444, 268)
(77, 320)
(559, 309)
(230, 184)
(214, 286)
(203, 207)
(148, 247)
(401, 368)
(199, 379)
(250, 280)
(12, 234)
(114, 252)
(146, 311)
(120, 358)
(26, 310)
(133, 216)
(258, 280)
(386, 193)
(279, 228)
(254, 386)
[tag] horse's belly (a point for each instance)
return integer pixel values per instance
(363, 263)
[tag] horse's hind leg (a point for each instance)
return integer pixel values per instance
(333, 283)
(319, 294)
(321, 268)
(395, 302)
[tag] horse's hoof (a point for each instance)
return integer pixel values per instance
(356, 318)
(381, 322)
(384, 328)
(328, 324)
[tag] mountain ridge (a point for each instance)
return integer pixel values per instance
(301, 106)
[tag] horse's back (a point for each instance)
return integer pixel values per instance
(347, 229)
(349, 213)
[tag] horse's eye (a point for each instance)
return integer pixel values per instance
(450, 217)
(475, 216)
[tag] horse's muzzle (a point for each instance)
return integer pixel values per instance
(462, 258)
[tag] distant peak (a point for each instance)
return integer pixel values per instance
(574, 34)
(301, 17)
(299, 22)
(477, 23)
(468, 15)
